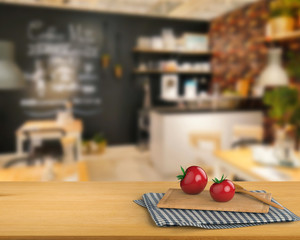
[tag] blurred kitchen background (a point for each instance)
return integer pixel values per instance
(130, 90)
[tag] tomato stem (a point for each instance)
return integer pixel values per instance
(221, 180)
(180, 177)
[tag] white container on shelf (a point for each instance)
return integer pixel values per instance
(196, 42)
(198, 66)
(206, 67)
(169, 40)
(190, 89)
(157, 43)
(144, 42)
(186, 66)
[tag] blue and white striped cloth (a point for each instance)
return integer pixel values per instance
(211, 219)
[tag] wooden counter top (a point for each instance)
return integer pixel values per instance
(98, 210)
(242, 161)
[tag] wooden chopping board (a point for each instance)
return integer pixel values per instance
(176, 198)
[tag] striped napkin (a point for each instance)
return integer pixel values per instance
(211, 219)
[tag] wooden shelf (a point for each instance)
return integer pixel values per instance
(284, 37)
(170, 72)
(165, 51)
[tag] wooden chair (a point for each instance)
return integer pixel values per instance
(205, 144)
(213, 137)
(38, 148)
(244, 135)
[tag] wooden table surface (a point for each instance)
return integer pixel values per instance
(75, 126)
(35, 173)
(242, 160)
(98, 210)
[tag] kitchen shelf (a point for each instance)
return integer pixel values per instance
(165, 51)
(170, 72)
(209, 99)
(283, 37)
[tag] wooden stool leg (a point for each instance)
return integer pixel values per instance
(68, 149)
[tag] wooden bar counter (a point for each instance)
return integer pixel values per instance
(104, 210)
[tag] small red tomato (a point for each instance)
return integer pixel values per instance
(222, 190)
(193, 180)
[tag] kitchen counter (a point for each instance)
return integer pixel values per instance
(170, 132)
(177, 110)
(98, 210)
(241, 162)
(244, 105)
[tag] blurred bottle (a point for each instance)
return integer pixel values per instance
(242, 87)
(215, 95)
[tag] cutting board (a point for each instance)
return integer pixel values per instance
(176, 198)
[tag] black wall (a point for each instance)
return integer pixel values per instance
(121, 97)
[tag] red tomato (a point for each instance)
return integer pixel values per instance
(193, 180)
(222, 190)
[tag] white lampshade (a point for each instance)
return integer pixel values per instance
(274, 74)
(11, 76)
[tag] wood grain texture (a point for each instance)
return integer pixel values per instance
(98, 210)
(176, 198)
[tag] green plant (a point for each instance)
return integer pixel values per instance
(282, 102)
(294, 3)
(280, 8)
(99, 138)
(292, 66)
(280, 12)
(295, 120)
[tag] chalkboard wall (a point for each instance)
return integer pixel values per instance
(118, 100)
